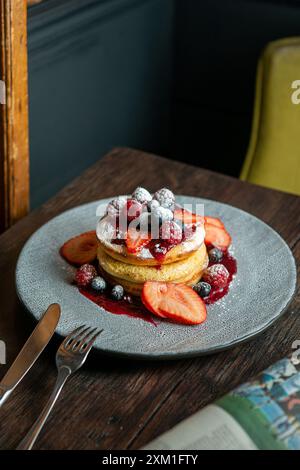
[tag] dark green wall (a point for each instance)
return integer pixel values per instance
(100, 75)
(174, 77)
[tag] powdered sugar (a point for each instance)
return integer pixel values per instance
(165, 197)
(141, 195)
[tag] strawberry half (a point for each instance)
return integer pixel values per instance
(136, 240)
(187, 217)
(176, 302)
(214, 221)
(217, 237)
(81, 249)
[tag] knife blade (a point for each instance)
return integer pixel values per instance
(30, 352)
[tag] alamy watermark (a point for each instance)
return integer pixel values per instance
(296, 353)
(295, 98)
(135, 218)
(2, 92)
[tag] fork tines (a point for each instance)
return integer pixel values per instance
(81, 339)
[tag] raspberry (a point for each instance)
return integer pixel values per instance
(165, 197)
(115, 206)
(171, 232)
(216, 275)
(134, 209)
(153, 204)
(161, 214)
(85, 274)
(141, 195)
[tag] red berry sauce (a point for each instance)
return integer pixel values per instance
(128, 306)
(216, 294)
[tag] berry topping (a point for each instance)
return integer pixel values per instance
(217, 237)
(141, 195)
(171, 232)
(136, 240)
(81, 249)
(85, 274)
(176, 302)
(153, 204)
(159, 251)
(161, 214)
(98, 284)
(202, 288)
(116, 205)
(144, 221)
(215, 255)
(216, 275)
(134, 209)
(214, 221)
(187, 217)
(117, 292)
(165, 197)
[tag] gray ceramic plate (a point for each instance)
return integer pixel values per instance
(259, 294)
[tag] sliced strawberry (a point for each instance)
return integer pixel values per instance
(217, 237)
(187, 217)
(81, 249)
(214, 221)
(176, 302)
(136, 240)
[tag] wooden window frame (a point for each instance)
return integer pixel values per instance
(14, 146)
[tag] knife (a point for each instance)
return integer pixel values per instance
(30, 352)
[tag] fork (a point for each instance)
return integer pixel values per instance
(71, 355)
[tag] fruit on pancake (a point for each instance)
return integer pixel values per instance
(186, 216)
(202, 288)
(216, 275)
(136, 240)
(217, 237)
(214, 221)
(153, 204)
(133, 209)
(165, 197)
(141, 195)
(115, 206)
(177, 302)
(161, 214)
(171, 232)
(85, 274)
(215, 255)
(81, 249)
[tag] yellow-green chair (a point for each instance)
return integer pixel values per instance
(273, 157)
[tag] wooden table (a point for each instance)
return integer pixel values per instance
(119, 404)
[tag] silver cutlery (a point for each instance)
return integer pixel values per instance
(70, 356)
(30, 352)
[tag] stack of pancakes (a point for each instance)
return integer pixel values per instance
(184, 263)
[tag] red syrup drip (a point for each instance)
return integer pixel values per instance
(216, 294)
(127, 306)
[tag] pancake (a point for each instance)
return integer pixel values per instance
(145, 258)
(182, 269)
(135, 288)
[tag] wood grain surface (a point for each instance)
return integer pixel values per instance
(121, 404)
(14, 147)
